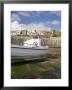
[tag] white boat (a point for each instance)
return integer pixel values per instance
(30, 48)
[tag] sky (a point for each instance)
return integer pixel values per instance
(36, 20)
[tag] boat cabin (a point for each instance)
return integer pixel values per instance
(34, 43)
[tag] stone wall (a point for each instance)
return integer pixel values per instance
(53, 41)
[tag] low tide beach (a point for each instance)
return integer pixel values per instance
(48, 67)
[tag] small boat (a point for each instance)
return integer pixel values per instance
(30, 48)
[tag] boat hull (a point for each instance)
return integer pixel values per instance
(16, 51)
(24, 53)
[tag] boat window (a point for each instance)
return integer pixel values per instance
(43, 43)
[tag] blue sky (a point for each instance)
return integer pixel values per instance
(47, 19)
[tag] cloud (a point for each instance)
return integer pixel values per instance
(24, 13)
(34, 26)
(38, 26)
(15, 26)
(36, 13)
(15, 17)
(58, 13)
(54, 22)
(29, 13)
(30, 27)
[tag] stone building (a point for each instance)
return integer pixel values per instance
(54, 41)
(46, 34)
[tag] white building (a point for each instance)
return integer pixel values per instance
(13, 33)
